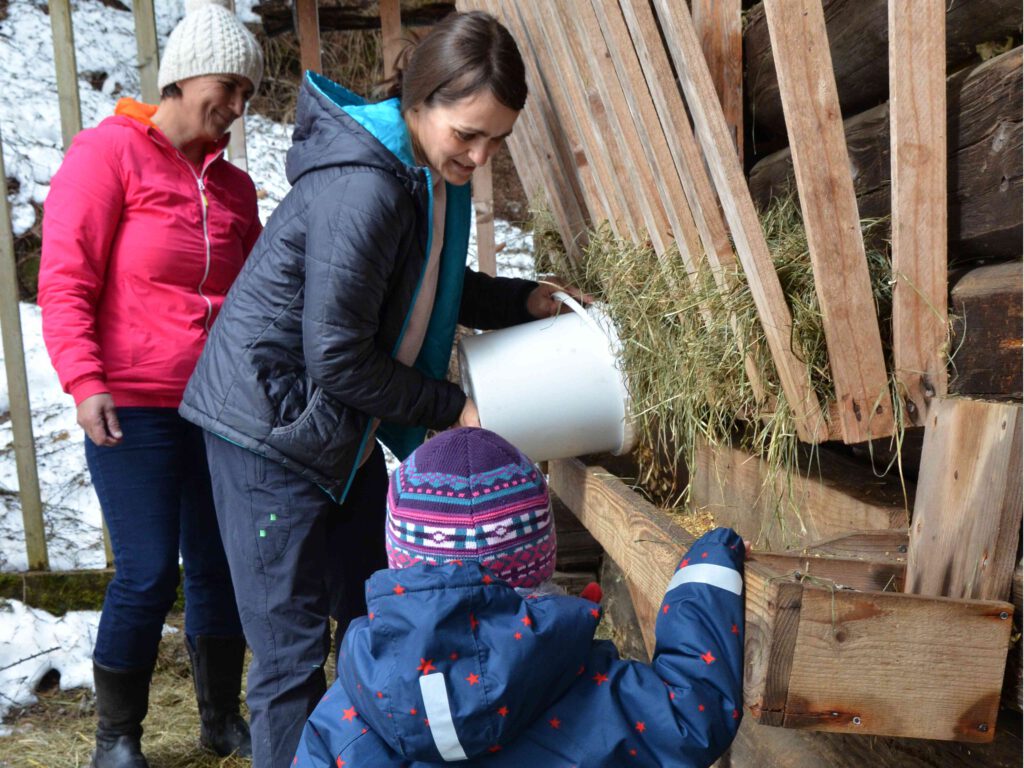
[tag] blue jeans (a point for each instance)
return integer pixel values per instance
(154, 489)
(297, 558)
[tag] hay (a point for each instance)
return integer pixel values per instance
(685, 343)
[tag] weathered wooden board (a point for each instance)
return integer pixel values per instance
(277, 17)
(983, 122)
(483, 206)
(66, 68)
(719, 25)
(866, 575)
(917, 138)
(391, 33)
(148, 52)
(987, 322)
(780, 513)
(826, 658)
(830, 217)
(748, 237)
(858, 40)
(888, 546)
(967, 513)
(308, 26)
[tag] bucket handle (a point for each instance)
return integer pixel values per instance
(578, 308)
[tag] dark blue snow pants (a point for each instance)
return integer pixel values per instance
(297, 558)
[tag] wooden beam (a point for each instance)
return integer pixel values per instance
(276, 16)
(148, 50)
(892, 545)
(829, 206)
(67, 70)
(237, 153)
(645, 542)
(17, 385)
(858, 40)
(881, 575)
(967, 513)
(391, 34)
(748, 237)
(779, 512)
(983, 122)
(719, 26)
(917, 111)
(307, 22)
(987, 322)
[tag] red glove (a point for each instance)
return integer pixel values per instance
(592, 592)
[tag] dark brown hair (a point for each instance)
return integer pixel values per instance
(464, 53)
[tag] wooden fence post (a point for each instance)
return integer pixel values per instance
(483, 203)
(67, 70)
(307, 24)
(236, 144)
(17, 387)
(148, 51)
(719, 26)
(391, 34)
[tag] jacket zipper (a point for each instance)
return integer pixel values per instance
(203, 204)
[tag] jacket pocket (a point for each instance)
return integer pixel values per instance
(303, 417)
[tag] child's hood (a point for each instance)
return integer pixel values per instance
(452, 663)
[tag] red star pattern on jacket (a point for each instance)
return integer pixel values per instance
(555, 723)
(503, 711)
(600, 678)
(707, 658)
(473, 678)
(399, 589)
(350, 714)
(641, 726)
(426, 666)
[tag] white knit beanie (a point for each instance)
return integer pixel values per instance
(210, 40)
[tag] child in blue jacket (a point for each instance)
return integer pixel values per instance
(468, 655)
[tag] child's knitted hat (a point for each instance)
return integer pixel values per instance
(210, 40)
(468, 494)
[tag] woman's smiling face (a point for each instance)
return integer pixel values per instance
(454, 139)
(213, 102)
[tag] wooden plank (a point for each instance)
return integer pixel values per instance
(358, 15)
(1013, 687)
(830, 216)
(17, 385)
(967, 513)
(719, 26)
(748, 237)
(645, 542)
(307, 22)
(858, 40)
(838, 572)
(573, 98)
(779, 512)
(623, 141)
(987, 322)
(917, 111)
(876, 663)
(483, 204)
(891, 546)
(67, 69)
(985, 173)
(546, 147)
(148, 50)
(391, 34)
(770, 629)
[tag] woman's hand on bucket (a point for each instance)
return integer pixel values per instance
(469, 417)
(540, 303)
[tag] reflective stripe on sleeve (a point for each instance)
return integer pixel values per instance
(705, 573)
(439, 714)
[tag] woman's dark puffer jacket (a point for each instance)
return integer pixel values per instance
(302, 354)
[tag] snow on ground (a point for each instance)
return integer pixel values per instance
(32, 642)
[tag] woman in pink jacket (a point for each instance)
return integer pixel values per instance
(145, 228)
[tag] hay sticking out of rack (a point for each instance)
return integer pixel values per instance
(685, 343)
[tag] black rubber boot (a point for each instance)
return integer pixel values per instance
(122, 700)
(217, 672)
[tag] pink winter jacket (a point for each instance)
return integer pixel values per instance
(139, 250)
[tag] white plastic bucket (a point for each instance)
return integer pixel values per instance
(552, 387)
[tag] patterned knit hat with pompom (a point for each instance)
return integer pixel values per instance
(210, 40)
(468, 494)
